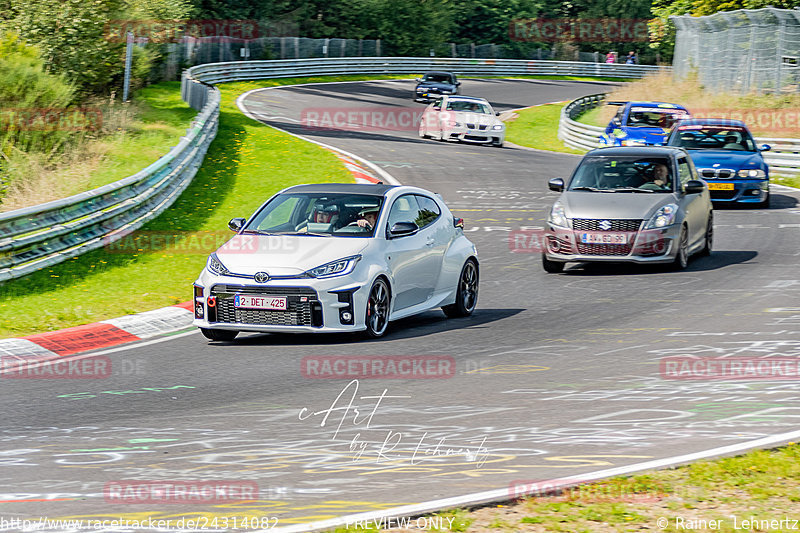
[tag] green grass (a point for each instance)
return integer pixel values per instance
(764, 484)
(245, 164)
(537, 127)
(162, 117)
(593, 118)
(789, 181)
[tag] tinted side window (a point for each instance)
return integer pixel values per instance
(684, 171)
(428, 211)
(404, 209)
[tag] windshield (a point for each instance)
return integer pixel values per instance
(655, 117)
(623, 174)
(713, 138)
(318, 214)
(469, 107)
(438, 78)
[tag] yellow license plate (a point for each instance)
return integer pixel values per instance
(720, 186)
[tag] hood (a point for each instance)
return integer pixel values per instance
(436, 85)
(726, 159)
(285, 255)
(476, 118)
(648, 135)
(613, 205)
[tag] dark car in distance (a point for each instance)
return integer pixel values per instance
(434, 84)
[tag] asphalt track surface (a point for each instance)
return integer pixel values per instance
(556, 375)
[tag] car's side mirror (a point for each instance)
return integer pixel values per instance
(765, 148)
(497, 113)
(615, 121)
(236, 224)
(418, 79)
(401, 229)
(458, 83)
(556, 184)
(693, 187)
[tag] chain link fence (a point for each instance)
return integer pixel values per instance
(741, 51)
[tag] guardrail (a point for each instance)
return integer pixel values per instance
(43, 235)
(254, 70)
(783, 158)
(46, 234)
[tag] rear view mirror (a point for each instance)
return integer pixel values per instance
(556, 184)
(236, 224)
(765, 148)
(401, 229)
(694, 187)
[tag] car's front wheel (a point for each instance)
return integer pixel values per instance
(377, 316)
(682, 256)
(552, 267)
(466, 292)
(219, 334)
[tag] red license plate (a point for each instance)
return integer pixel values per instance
(604, 238)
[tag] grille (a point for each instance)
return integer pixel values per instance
(723, 173)
(475, 138)
(593, 224)
(308, 313)
(479, 127)
(604, 249)
(722, 195)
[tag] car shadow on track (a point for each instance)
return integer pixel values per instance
(715, 261)
(427, 323)
(776, 201)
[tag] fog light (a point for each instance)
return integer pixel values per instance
(212, 301)
(347, 317)
(198, 310)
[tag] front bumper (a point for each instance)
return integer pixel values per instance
(314, 305)
(745, 191)
(477, 136)
(642, 246)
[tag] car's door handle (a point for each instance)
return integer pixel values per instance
(429, 241)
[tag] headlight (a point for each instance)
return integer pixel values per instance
(558, 216)
(752, 173)
(335, 268)
(215, 266)
(633, 143)
(664, 217)
(497, 127)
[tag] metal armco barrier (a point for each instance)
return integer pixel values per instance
(43, 235)
(783, 158)
(40, 236)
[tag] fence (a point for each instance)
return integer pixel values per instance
(47, 234)
(783, 158)
(741, 51)
(191, 51)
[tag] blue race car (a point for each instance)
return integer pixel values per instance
(641, 123)
(726, 156)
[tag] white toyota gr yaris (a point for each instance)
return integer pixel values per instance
(336, 258)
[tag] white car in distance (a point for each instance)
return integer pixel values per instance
(462, 118)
